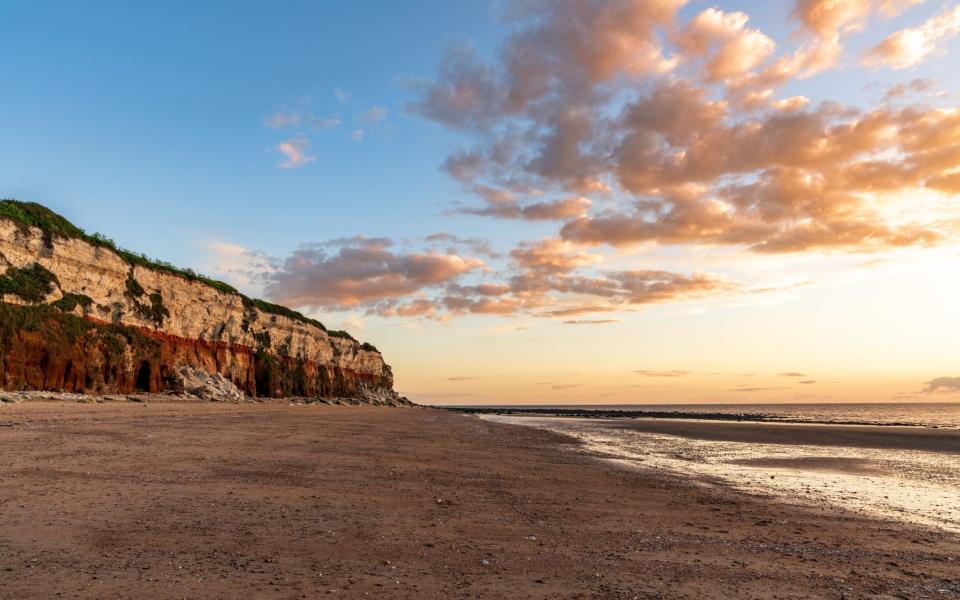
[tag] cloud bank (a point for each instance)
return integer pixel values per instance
(620, 127)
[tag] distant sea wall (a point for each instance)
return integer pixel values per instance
(78, 315)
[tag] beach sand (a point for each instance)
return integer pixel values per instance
(265, 500)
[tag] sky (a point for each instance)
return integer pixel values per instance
(530, 202)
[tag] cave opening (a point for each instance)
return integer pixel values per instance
(142, 383)
(262, 381)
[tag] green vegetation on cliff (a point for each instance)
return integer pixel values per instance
(30, 214)
(32, 283)
(71, 301)
(57, 327)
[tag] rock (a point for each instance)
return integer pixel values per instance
(206, 386)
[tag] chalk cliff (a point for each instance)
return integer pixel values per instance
(79, 315)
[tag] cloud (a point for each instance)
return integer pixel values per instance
(912, 46)
(565, 386)
(901, 90)
(295, 119)
(244, 268)
(732, 48)
(465, 94)
(360, 272)
(461, 378)
(357, 135)
(373, 115)
(829, 18)
(942, 384)
(455, 244)
(353, 323)
(812, 169)
(611, 127)
(749, 389)
(663, 373)
(632, 127)
(549, 278)
(555, 46)
(948, 184)
(792, 374)
(341, 96)
(807, 382)
(282, 119)
(556, 210)
(294, 151)
(892, 8)
(550, 255)
(826, 18)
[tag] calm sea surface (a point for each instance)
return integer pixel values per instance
(927, 414)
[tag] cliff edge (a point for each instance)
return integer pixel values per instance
(77, 314)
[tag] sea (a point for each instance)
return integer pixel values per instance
(920, 487)
(900, 413)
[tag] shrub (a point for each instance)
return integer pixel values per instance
(276, 309)
(156, 311)
(71, 301)
(341, 334)
(134, 289)
(32, 284)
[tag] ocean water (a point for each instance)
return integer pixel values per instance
(919, 414)
(920, 487)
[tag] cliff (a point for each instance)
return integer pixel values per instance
(79, 315)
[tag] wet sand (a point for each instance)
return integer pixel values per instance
(220, 501)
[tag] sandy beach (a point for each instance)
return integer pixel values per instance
(134, 500)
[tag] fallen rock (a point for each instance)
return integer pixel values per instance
(200, 384)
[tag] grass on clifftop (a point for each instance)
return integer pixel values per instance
(54, 225)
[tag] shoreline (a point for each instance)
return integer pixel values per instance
(269, 500)
(883, 437)
(613, 413)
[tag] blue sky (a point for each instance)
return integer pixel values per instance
(151, 117)
(150, 122)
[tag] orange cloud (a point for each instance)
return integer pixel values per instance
(901, 90)
(663, 373)
(910, 47)
(678, 162)
(361, 271)
(294, 151)
(826, 18)
(943, 384)
(554, 210)
(730, 47)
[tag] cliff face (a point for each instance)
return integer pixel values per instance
(76, 316)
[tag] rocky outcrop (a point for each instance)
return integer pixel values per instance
(79, 316)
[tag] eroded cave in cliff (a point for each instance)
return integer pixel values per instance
(142, 382)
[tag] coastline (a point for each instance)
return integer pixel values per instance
(213, 500)
(747, 413)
